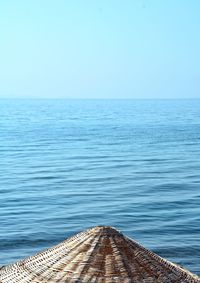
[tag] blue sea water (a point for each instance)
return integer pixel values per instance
(66, 165)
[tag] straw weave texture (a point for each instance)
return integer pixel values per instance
(98, 255)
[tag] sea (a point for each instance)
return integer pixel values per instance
(68, 165)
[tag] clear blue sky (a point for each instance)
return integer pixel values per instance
(100, 48)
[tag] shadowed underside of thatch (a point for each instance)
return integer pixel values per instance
(98, 255)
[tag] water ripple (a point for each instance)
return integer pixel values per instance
(69, 165)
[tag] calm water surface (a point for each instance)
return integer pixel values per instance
(69, 165)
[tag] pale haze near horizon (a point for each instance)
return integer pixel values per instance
(100, 49)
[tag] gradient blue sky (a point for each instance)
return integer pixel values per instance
(100, 48)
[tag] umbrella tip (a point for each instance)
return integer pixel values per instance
(103, 229)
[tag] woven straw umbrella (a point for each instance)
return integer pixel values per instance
(98, 255)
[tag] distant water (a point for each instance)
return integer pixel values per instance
(68, 165)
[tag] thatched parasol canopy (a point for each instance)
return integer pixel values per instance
(98, 255)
